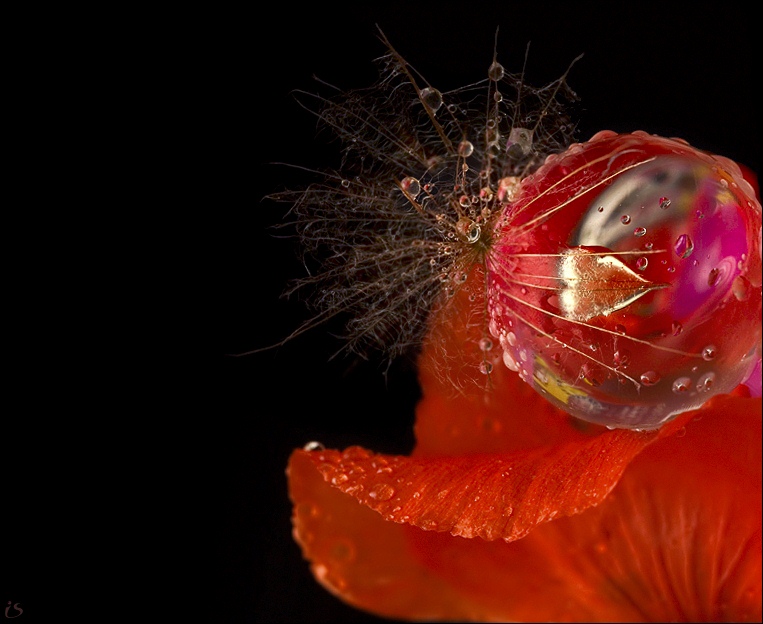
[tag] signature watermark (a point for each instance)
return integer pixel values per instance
(13, 610)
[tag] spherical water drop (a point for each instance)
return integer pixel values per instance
(682, 384)
(601, 278)
(485, 367)
(431, 97)
(411, 186)
(486, 344)
(495, 71)
(314, 446)
(465, 148)
(639, 231)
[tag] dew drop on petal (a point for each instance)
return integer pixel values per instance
(650, 378)
(683, 246)
(709, 353)
(314, 446)
(682, 384)
(639, 231)
(705, 382)
(625, 219)
(382, 492)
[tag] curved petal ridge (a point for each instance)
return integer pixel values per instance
(492, 496)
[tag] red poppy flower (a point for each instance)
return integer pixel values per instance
(509, 509)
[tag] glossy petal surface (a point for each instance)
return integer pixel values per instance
(686, 547)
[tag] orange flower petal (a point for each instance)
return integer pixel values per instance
(678, 539)
(486, 495)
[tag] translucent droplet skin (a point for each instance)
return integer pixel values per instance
(589, 318)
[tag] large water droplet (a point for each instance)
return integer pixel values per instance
(314, 446)
(563, 234)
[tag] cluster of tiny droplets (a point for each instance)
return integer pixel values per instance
(395, 229)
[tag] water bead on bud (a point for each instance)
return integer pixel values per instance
(564, 274)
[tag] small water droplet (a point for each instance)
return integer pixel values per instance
(495, 71)
(431, 97)
(345, 183)
(650, 378)
(411, 186)
(705, 383)
(740, 287)
(600, 209)
(683, 246)
(642, 263)
(486, 344)
(639, 231)
(314, 446)
(682, 384)
(465, 148)
(625, 219)
(485, 367)
(382, 492)
(497, 97)
(709, 353)
(712, 277)
(664, 203)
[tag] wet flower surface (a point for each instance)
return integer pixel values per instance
(510, 509)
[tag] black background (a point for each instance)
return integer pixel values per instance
(686, 69)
